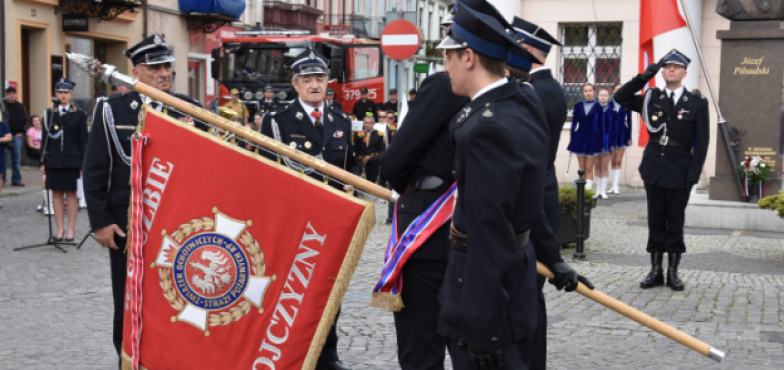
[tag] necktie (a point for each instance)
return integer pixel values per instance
(672, 101)
(319, 126)
(156, 105)
(63, 111)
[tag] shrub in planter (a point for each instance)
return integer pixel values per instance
(774, 202)
(567, 195)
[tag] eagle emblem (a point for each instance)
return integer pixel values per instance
(212, 271)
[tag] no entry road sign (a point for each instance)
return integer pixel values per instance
(400, 39)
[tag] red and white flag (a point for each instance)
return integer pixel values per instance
(235, 262)
(658, 20)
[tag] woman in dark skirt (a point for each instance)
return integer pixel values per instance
(65, 137)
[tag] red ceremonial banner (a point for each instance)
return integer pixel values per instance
(235, 262)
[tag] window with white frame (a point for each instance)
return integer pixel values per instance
(591, 53)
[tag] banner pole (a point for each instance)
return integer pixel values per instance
(642, 318)
(110, 74)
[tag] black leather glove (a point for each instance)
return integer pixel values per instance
(651, 71)
(487, 361)
(566, 278)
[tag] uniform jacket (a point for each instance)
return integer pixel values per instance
(423, 147)
(265, 106)
(391, 132)
(297, 130)
(105, 175)
(621, 127)
(362, 108)
(369, 144)
(687, 123)
(553, 100)
(335, 104)
(490, 295)
(67, 151)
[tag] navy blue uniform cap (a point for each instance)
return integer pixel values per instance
(64, 85)
(482, 33)
(152, 50)
(330, 90)
(677, 58)
(533, 35)
(309, 62)
(521, 58)
(268, 88)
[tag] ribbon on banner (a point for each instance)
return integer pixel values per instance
(386, 293)
(135, 270)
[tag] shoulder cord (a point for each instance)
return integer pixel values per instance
(46, 126)
(289, 163)
(108, 119)
(646, 118)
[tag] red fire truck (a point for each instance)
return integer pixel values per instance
(254, 59)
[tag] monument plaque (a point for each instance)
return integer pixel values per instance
(750, 98)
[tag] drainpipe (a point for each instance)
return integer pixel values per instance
(144, 13)
(2, 48)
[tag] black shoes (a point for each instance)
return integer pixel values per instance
(656, 276)
(18, 184)
(673, 281)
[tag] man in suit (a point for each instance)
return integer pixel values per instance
(313, 127)
(106, 170)
(489, 298)
(270, 102)
(330, 100)
(670, 166)
(418, 166)
(369, 144)
(536, 43)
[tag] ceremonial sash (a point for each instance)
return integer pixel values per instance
(386, 293)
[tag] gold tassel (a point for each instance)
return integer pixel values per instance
(387, 301)
(364, 227)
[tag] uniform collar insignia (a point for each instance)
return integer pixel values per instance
(134, 104)
(487, 114)
(329, 117)
(685, 98)
(299, 116)
(661, 96)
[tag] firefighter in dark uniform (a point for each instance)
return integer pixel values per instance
(418, 166)
(392, 103)
(270, 102)
(330, 100)
(365, 106)
(534, 44)
(313, 127)
(489, 298)
(106, 170)
(369, 144)
(390, 117)
(679, 129)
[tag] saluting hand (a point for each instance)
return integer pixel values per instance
(105, 236)
(652, 69)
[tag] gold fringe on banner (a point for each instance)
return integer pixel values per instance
(387, 301)
(365, 225)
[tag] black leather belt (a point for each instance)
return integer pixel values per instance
(460, 240)
(426, 183)
(666, 141)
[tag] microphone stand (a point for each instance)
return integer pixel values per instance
(52, 240)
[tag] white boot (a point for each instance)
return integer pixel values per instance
(589, 184)
(598, 188)
(603, 187)
(48, 210)
(616, 182)
(80, 193)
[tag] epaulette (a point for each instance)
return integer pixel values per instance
(278, 110)
(185, 97)
(360, 133)
(380, 133)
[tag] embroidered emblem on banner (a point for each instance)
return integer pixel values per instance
(212, 271)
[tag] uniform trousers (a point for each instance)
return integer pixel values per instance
(514, 356)
(118, 260)
(371, 169)
(537, 349)
(666, 214)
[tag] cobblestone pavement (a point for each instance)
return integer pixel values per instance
(56, 307)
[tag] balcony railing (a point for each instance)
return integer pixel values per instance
(283, 15)
(358, 25)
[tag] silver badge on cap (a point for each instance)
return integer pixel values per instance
(299, 116)
(157, 39)
(311, 55)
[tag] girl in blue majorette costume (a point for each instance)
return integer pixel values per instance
(620, 138)
(585, 138)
